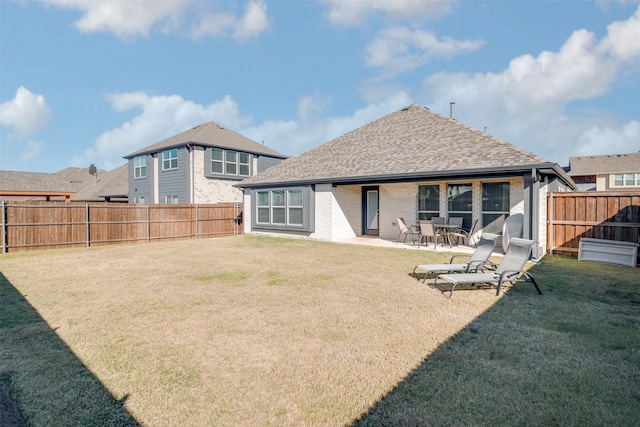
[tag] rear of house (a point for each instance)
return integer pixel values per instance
(412, 163)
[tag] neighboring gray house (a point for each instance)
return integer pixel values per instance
(412, 163)
(199, 165)
(607, 172)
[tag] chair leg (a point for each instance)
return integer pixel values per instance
(532, 280)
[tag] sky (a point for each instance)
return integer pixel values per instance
(90, 81)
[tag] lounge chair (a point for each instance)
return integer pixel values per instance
(479, 259)
(512, 227)
(406, 231)
(509, 270)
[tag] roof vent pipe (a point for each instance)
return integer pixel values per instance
(452, 110)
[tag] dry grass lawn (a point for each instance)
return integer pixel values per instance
(238, 330)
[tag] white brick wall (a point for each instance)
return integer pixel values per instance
(346, 214)
(212, 190)
(397, 200)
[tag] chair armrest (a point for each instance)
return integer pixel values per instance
(457, 256)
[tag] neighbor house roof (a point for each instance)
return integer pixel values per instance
(604, 164)
(209, 135)
(413, 142)
(73, 182)
(113, 184)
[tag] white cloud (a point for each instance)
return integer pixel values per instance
(401, 49)
(160, 117)
(27, 113)
(354, 13)
(526, 103)
(128, 19)
(251, 24)
(623, 38)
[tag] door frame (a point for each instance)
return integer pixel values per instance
(366, 190)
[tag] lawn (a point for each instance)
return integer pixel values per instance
(263, 331)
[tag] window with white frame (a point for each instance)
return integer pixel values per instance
(170, 159)
(171, 200)
(229, 162)
(626, 180)
(280, 207)
(495, 206)
(428, 201)
(138, 199)
(140, 167)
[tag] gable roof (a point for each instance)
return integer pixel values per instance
(209, 135)
(107, 184)
(413, 142)
(604, 164)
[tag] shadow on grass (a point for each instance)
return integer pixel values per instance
(42, 382)
(570, 357)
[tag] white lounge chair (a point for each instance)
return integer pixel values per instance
(509, 270)
(478, 260)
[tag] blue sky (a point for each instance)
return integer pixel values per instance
(90, 81)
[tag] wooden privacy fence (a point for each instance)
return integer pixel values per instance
(27, 226)
(599, 215)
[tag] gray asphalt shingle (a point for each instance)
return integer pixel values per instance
(410, 141)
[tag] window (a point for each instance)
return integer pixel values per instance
(428, 201)
(140, 167)
(216, 160)
(230, 162)
(495, 206)
(170, 159)
(171, 200)
(626, 180)
(459, 203)
(138, 199)
(282, 208)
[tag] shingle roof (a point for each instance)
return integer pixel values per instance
(409, 142)
(210, 135)
(604, 164)
(35, 181)
(113, 183)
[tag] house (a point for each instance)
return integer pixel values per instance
(70, 184)
(412, 163)
(199, 165)
(609, 172)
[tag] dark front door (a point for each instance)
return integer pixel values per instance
(370, 208)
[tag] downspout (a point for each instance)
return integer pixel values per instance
(535, 211)
(192, 162)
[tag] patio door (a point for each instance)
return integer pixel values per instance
(370, 210)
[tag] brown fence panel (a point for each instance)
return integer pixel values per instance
(49, 225)
(118, 224)
(42, 226)
(599, 215)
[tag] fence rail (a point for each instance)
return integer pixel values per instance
(599, 215)
(38, 225)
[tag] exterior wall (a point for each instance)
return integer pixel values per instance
(263, 163)
(175, 182)
(397, 200)
(212, 190)
(141, 187)
(602, 183)
(346, 213)
(542, 219)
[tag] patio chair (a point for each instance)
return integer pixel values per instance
(509, 270)
(479, 260)
(428, 230)
(512, 227)
(438, 220)
(464, 234)
(406, 231)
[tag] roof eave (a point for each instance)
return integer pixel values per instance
(552, 168)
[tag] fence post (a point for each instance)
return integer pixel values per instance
(148, 225)
(86, 212)
(196, 221)
(4, 227)
(550, 226)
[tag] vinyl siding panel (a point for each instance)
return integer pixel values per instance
(174, 182)
(265, 162)
(141, 187)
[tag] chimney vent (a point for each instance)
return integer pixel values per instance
(452, 110)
